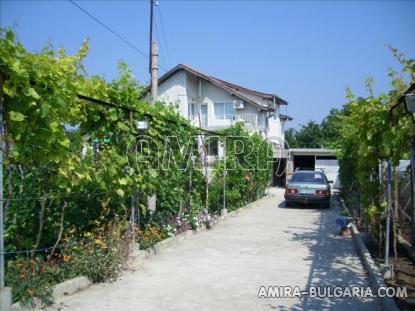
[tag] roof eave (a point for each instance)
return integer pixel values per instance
(228, 89)
(214, 81)
(286, 117)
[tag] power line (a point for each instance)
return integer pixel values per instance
(130, 45)
(119, 36)
(164, 34)
(109, 29)
(150, 65)
(161, 45)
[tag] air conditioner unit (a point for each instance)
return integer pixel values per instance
(238, 104)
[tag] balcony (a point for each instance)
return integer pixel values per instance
(251, 120)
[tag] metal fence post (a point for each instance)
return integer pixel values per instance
(132, 217)
(388, 210)
(5, 292)
(412, 191)
(224, 210)
(1, 186)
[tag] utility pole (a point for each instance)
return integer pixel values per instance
(154, 72)
(153, 58)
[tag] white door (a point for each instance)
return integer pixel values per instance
(331, 169)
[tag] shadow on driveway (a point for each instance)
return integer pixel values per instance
(334, 262)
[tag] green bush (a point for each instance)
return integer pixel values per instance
(98, 256)
(248, 172)
(149, 235)
(30, 278)
(77, 183)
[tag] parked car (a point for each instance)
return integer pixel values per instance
(308, 187)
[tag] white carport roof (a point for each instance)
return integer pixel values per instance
(313, 151)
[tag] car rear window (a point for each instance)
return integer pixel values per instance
(308, 177)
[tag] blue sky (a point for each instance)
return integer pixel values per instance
(305, 52)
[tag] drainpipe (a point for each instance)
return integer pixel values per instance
(273, 99)
(200, 95)
(271, 114)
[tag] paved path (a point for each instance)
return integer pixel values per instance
(223, 268)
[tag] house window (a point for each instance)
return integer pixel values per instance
(224, 110)
(191, 111)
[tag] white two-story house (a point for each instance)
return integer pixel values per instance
(211, 103)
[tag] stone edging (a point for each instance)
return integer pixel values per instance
(136, 255)
(72, 286)
(375, 277)
(60, 290)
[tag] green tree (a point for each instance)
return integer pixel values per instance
(291, 138)
(330, 128)
(309, 136)
(314, 135)
(370, 134)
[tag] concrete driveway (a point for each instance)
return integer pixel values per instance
(223, 268)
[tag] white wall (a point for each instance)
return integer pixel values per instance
(331, 169)
(173, 91)
(192, 84)
(211, 94)
(183, 88)
(274, 128)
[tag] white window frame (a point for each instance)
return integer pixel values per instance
(224, 116)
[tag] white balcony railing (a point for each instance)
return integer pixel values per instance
(250, 119)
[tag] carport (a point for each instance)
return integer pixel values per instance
(314, 158)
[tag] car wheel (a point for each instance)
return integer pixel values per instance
(288, 204)
(326, 205)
